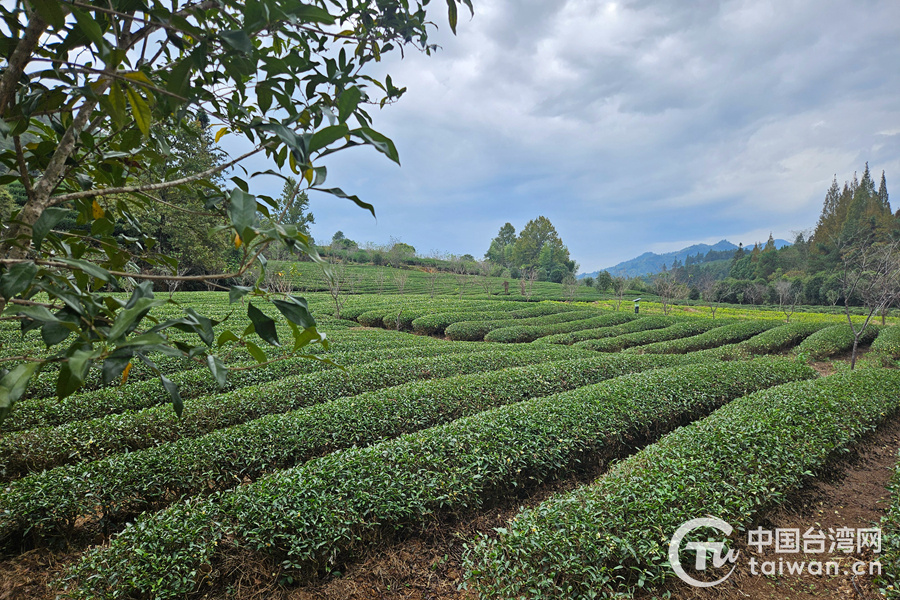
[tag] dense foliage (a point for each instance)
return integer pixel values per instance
(612, 536)
(313, 515)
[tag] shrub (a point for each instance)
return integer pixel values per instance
(678, 330)
(46, 448)
(50, 502)
(612, 536)
(631, 324)
(318, 513)
(726, 334)
(834, 340)
(888, 342)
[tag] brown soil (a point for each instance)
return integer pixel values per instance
(28, 575)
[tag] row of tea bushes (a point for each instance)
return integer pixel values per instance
(888, 342)
(437, 324)
(772, 341)
(50, 502)
(630, 324)
(726, 334)
(528, 333)
(196, 382)
(476, 330)
(45, 448)
(611, 537)
(889, 580)
(835, 339)
(322, 512)
(685, 328)
(43, 384)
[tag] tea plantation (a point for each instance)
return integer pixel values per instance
(430, 409)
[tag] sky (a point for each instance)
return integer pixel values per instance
(633, 126)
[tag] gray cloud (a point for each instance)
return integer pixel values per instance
(631, 125)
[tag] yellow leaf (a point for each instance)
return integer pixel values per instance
(97, 210)
(125, 373)
(292, 162)
(137, 76)
(140, 111)
(309, 176)
(221, 133)
(237, 240)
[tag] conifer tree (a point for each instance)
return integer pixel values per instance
(883, 195)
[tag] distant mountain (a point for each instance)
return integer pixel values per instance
(650, 262)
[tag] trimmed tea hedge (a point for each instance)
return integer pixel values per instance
(611, 537)
(768, 342)
(45, 448)
(193, 383)
(631, 324)
(640, 338)
(889, 580)
(888, 342)
(726, 334)
(476, 330)
(435, 323)
(528, 333)
(834, 340)
(50, 502)
(514, 311)
(319, 513)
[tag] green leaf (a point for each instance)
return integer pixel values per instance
(39, 313)
(238, 40)
(88, 267)
(17, 279)
(113, 367)
(14, 384)
(172, 389)
(129, 318)
(72, 373)
(51, 11)
(218, 370)
(256, 352)
(47, 221)
(340, 194)
(89, 27)
(380, 142)
(310, 14)
(263, 325)
(55, 333)
(452, 15)
(225, 337)
(347, 103)
(140, 110)
(179, 82)
(242, 213)
(295, 310)
(147, 339)
(303, 337)
(236, 292)
(326, 136)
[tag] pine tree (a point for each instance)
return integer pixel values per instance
(826, 228)
(883, 195)
(770, 244)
